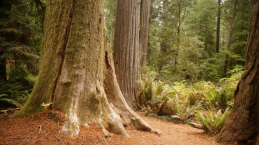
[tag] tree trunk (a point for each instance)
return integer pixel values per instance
(242, 124)
(230, 37)
(178, 33)
(126, 48)
(218, 29)
(144, 31)
(77, 71)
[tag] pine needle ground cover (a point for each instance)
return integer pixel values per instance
(45, 128)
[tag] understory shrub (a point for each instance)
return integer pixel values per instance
(183, 108)
(12, 93)
(181, 100)
(212, 123)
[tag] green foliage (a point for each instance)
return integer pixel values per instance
(154, 95)
(212, 123)
(110, 15)
(10, 101)
(20, 37)
(183, 108)
(12, 93)
(182, 100)
(182, 47)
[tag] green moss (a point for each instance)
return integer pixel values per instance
(94, 104)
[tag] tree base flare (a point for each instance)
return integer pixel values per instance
(77, 72)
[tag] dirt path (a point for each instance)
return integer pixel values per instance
(26, 130)
(178, 134)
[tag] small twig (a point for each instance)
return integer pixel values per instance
(196, 125)
(102, 139)
(59, 139)
(39, 126)
(106, 142)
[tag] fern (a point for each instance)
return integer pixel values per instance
(184, 110)
(12, 93)
(10, 101)
(212, 123)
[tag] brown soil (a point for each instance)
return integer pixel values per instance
(41, 129)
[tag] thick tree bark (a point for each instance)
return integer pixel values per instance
(144, 30)
(218, 29)
(77, 72)
(126, 48)
(242, 124)
(230, 38)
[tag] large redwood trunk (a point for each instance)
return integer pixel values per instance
(144, 30)
(242, 125)
(77, 73)
(126, 48)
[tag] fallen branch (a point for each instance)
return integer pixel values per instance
(196, 125)
(9, 110)
(59, 139)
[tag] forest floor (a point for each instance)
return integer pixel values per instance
(45, 128)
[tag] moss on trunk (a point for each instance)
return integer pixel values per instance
(75, 61)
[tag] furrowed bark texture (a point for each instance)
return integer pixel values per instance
(242, 124)
(144, 30)
(76, 60)
(126, 48)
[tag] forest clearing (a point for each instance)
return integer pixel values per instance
(129, 72)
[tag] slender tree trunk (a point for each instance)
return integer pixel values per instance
(111, 38)
(230, 38)
(144, 31)
(242, 124)
(126, 48)
(77, 72)
(163, 44)
(178, 33)
(218, 28)
(196, 73)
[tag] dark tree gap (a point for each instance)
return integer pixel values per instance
(77, 72)
(4, 6)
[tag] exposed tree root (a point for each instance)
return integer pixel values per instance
(119, 104)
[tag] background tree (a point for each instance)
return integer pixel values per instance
(77, 73)
(21, 24)
(144, 30)
(20, 38)
(230, 37)
(242, 123)
(110, 16)
(126, 48)
(218, 28)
